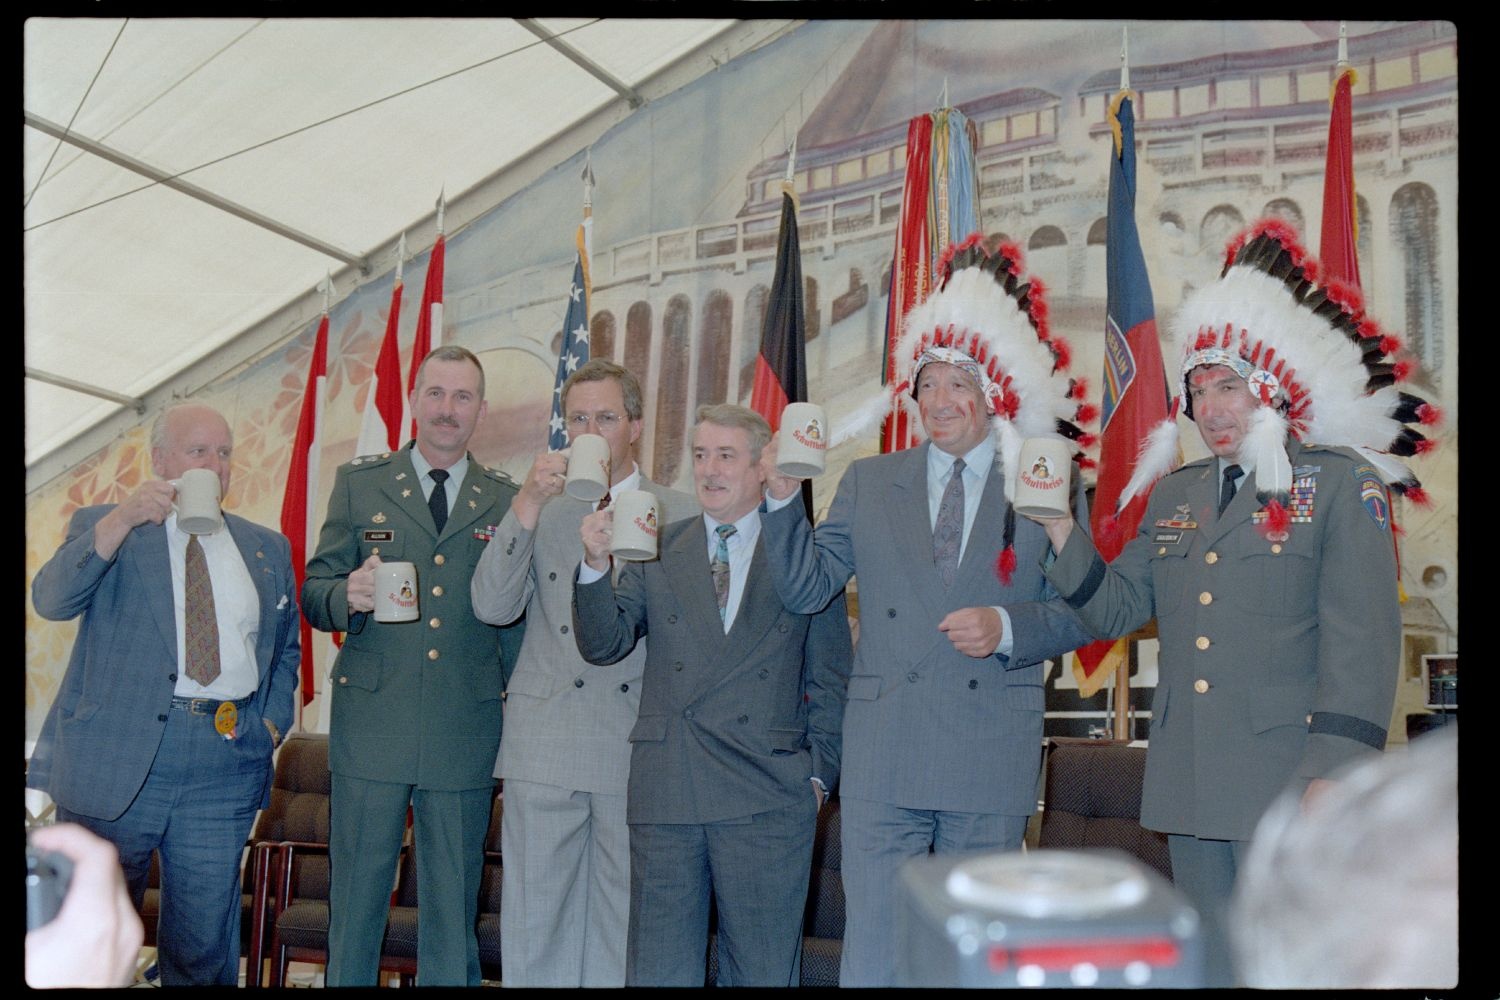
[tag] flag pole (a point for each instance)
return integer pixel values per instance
(1121, 704)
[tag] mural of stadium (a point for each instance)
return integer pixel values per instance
(1231, 124)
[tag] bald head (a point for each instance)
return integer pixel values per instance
(192, 436)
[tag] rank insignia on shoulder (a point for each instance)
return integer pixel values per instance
(486, 533)
(400, 476)
(1372, 494)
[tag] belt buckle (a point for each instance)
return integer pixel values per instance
(199, 706)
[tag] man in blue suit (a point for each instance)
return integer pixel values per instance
(178, 689)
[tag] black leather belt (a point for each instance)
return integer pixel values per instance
(207, 706)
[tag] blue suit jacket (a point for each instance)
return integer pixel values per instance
(106, 724)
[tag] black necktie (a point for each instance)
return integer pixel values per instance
(438, 502)
(1231, 474)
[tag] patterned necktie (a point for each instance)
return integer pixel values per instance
(947, 533)
(603, 501)
(1231, 474)
(202, 632)
(438, 502)
(719, 568)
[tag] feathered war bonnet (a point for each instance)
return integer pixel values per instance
(1325, 372)
(989, 320)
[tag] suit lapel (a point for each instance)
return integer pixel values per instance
(476, 495)
(154, 565)
(267, 587)
(684, 560)
(911, 521)
(985, 535)
(406, 493)
(759, 607)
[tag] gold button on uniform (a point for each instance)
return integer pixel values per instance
(1201, 686)
(437, 591)
(432, 654)
(1309, 718)
(1276, 549)
(438, 559)
(1205, 598)
(343, 680)
(435, 622)
(375, 551)
(1162, 551)
(1202, 642)
(1211, 558)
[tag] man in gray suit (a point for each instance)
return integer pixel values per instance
(943, 729)
(179, 687)
(564, 751)
(739, 728)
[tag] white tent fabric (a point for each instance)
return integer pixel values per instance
(333, 135)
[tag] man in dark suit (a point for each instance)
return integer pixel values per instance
(739, 726)
(179, 687)
(416, 705)
(944, 720)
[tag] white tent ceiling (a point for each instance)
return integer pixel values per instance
(187, 183)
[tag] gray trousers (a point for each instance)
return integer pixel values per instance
(757, 868)
(877, 838)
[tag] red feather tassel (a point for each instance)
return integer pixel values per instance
(1084, 462)
(1087, 413)
(1429, 414)
(1080, 388)
(1278, 519)
(1014, 258)
(1390, 344)
(1418, 496)
(1005, 565)
(1425, 445)
(1088, 440)
(1063, 351)
(1347, 296)
(1404, 369)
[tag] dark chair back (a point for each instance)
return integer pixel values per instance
(1093, 799)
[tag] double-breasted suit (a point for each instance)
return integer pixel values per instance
(416, 711)
(927, 727)
(101, 738)
(731, 728)
(564, 755)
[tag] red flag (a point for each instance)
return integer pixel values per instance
(1336, 254)
(298, 517)
(429, 318)
(911, 274)
(380, 425)
(1135, 384)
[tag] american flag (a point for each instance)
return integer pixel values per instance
(575, 340)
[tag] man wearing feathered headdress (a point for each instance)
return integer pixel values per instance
(943, 724)
(1269, 567)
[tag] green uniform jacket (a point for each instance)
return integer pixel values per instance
(1278, 660)
(415, 703)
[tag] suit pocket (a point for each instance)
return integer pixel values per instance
(1169, 575)
(864, 687)
(359, 671)
(533, 683)
(786, 741)
(1279, 706)
(649, 729)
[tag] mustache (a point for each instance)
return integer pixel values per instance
(445, 421)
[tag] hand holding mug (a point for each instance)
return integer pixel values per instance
(361, 585)
(545, 480)
(597, 532)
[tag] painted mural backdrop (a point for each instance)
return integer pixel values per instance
(1231, 125)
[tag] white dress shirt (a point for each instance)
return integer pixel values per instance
(236, 609)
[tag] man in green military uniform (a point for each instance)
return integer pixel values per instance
(1269, 567)
(416, 705)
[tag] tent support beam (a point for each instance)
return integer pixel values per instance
(136, 403)
(176, 183)
(590, 67)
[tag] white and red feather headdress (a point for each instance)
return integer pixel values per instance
(1325, 371)
(986, 318)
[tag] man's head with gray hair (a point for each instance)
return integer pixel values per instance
(598, 370)
(747, 420)
(1360, 890)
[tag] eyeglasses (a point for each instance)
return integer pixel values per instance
(604, 420)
